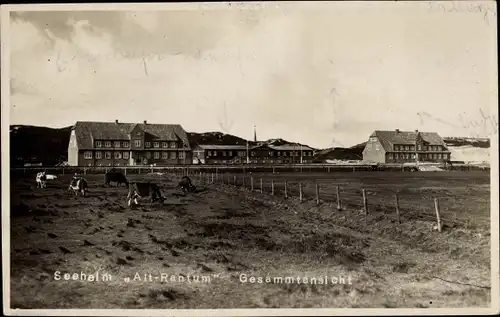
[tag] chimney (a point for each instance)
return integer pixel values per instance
(145, 122)
(116, 121)
(397, 130)
(254, 134)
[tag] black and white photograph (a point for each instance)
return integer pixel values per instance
(250, 158)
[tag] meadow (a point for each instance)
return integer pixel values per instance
(225, 230)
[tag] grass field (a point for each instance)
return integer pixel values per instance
(224, 231)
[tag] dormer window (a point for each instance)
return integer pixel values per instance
(173, 145)
(147, 144)
(156, 144)
(107, 144)
(98, 144)
(117, 144)
(164, 144)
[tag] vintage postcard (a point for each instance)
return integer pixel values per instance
(260, 158)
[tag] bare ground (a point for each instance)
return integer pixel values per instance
(223, 231)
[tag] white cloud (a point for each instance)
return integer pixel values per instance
(309, 76)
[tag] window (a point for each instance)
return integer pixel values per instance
(98, 144)
(413, 156)
(396, 156)
(181, 155)
(87, 155)
(373, 138)
(147, 144)
(425, 147)
(389, 156)
(407, 156)
(156, 144)
(98, 155)
(230, 153)
(164, 144)
(107, 155)
(148, 155)
(164, 155)
(440, 156)
(125, 155)
(173, 155)
(253, 153)
(107, 144)
(157, 155)
(173, 145)
(117, 143)
(118, 155)
(223, 153)
(137, 143)
(241, 154)
(419, 147)
(126, 144)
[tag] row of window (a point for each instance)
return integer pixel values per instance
(429, 156)
(243, 153)
(419, 148)
(137, 143)
(125, 155)
(251, 161)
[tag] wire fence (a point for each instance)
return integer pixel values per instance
(403, 205)
(194, 169)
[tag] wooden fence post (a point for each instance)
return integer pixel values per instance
(251, 183)
(272, 187)
(261, 187)
(438, 214)
(300, 192)
(317, 194)
(286, 188)
(365, 205)
(396, 201)
(339, 206)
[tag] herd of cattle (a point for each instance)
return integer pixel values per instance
(136, 190)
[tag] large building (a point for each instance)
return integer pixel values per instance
(403, 146)
(122, 144)
(261, 154)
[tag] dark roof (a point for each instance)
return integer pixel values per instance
(390, 138)
(86, 132)
(221, 147)
(289, 147)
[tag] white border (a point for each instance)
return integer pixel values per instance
(5, 102)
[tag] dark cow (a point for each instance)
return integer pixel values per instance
(115, 176)
(78, 185)
(141, 190)
(186, 185)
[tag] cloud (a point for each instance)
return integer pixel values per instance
(310, 75)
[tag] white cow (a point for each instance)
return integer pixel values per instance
(41, 180)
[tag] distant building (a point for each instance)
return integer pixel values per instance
(219, 154)
(281, 154)
(121, 144)
(403, 146)
(261, 154)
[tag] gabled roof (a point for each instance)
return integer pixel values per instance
(86, 132)
(390, 138)
(221, 147)
(290, 147)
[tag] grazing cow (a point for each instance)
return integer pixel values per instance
(78, 184)
(115, 176)
(140, 190)
(186, 185)
(41, 180)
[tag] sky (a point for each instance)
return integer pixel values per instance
(322, 74)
